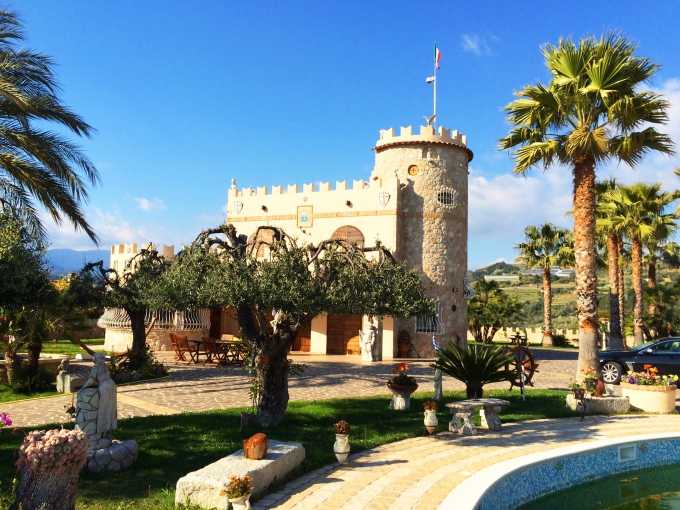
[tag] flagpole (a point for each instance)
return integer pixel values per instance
(434, 87)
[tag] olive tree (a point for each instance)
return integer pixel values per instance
(275, 285)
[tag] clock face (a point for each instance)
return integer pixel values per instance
(413, 170)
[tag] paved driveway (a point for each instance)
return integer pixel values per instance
(201, 387)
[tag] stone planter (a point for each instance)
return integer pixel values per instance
(401, 396)
(242, 503)
(599, 405)
(430, 421)
(341, 447)
(650, 399)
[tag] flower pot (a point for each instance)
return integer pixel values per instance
(430, 421)
(401, 396)
(650, 399)
(341, 447)
(242, 503)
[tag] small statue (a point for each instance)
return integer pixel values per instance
(96, 406)
(367, 342)
(67, 382)
(255, 447)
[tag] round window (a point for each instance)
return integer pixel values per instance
(446, 197)
(413, 170)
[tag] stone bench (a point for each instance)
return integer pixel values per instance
(461, 414)
(202, 488)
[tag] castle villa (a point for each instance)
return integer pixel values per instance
(415, 203)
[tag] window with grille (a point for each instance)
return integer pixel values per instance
(430, 323)
(446, 197)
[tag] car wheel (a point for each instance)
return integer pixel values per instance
(611, 372)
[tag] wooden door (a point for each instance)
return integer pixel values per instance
(342, 336)
(303, 339)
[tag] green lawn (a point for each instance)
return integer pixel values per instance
(7, 394)
(67, 347)
(171, 446)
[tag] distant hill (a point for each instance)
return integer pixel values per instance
(495, 268)
(64, 261)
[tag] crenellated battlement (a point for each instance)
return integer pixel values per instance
(307, 188)
(427, 134)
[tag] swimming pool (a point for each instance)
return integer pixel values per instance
(657, 488)
(521, 481)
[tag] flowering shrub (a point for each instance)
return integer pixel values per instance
(402, 381)
(342, 427)
(590, 377)
(430, 405)
(5, 420)
(57, 451)
(651, 377)
(238, 486)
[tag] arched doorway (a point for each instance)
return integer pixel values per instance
(350, 234)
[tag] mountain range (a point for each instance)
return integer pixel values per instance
(64, 261)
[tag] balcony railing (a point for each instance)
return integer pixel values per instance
(117, 318)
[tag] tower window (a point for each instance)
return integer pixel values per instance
(430, 323)
(446, 197)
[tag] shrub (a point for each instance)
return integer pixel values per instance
(475, 365)
(342, 427)
(132, 367)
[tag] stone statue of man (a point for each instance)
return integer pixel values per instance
(96, 407)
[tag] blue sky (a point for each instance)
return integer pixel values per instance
(185, 96)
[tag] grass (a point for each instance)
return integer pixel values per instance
(67, 347)
(171, 446)
(7, 394)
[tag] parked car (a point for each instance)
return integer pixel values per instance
(663, 354)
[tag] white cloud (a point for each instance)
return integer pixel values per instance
(476, 44)
(150, 204)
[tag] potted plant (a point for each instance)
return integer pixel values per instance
(590, 377)
(238, 491)
(401, 385)
(341, 445)
(430, 420)
(578, 390)
(649, 391)
(475, 366)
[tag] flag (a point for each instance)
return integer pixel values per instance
(437, 57)
(430, 79)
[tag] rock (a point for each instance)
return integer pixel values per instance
(600, 405)
(119, 455)
(202, 488)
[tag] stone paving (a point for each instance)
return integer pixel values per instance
(203, 387)
(419, 473)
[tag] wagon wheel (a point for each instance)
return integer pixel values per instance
(523, 367)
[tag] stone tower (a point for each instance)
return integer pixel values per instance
(432, 170)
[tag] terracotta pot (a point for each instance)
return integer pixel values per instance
(341, 447)
(599, 388)
(255, 447)
(650, 399)
(430, 421)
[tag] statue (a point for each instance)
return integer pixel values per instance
(96, 407)
(67, 382)
(438, 390)
(367, 343)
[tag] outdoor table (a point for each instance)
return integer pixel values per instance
(225, 351)
(461, 414)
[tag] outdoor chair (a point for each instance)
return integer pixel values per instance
(211, 349)
(180, 344)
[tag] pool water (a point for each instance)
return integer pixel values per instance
(650, 489)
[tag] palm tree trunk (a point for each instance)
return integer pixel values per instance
(636, 270)
(586, 268)
(622, 293)
(651, 282)
(615, 340)
(547, 309)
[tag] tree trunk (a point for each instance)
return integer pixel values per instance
(636, 270)
(615, 340)
(137, 318)
(547, 309)
(651, 285)
(586, 265)
(474, 389)
(622, 294)
(273, 375)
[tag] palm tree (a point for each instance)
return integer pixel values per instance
(592, 110)
(639, 212)
(544, 247)
(612, 238)
(36, 163)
